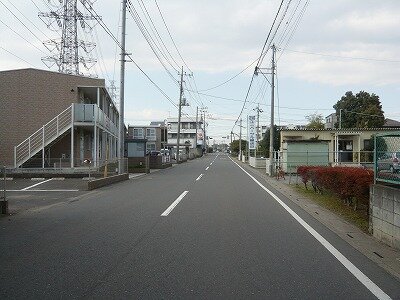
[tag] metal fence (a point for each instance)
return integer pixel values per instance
(3, 188)
(387, 158)
(289, 161)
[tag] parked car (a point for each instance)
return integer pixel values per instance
(389, 161)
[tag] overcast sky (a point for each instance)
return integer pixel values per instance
(359, 42)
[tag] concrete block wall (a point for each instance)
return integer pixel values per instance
(385, 214)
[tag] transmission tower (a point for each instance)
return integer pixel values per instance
(65, 17)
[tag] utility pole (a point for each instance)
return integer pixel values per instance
(197, 122)
(121, 140)
(271, 130)
(204, 127)
(340, 118)
(179, 117)
(240, 140)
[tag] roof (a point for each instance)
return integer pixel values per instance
(48, 71)
(391, 123)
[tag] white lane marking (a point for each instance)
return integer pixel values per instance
(29, 187)
(198, 178)
(175, 203)
(211, 164)
(368, 283)
(207, 168)
(42, 190)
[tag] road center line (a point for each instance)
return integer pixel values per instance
(198, 178)
(27, 188)
(368, 283)
(175, 203)
(207, 168)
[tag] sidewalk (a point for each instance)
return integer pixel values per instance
(383, 255)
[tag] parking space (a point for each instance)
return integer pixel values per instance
(26, 194)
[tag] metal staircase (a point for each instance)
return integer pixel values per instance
(43, 137)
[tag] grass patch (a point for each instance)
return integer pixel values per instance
(334, 204)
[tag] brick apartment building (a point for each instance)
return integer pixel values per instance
(50, 119)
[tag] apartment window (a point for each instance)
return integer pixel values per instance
(192, 125)
(150, 147)
(185, 125)
(138, 133)
(151, 134)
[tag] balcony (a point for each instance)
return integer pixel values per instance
(91, 113)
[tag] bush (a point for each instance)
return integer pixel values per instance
(349, 184)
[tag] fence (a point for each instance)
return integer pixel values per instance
(288, 161)
(387, 158)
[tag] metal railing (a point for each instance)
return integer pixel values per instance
(43, 137)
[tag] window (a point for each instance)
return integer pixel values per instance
(138, 133)
(150, 147)
(367, 144)
(185, 125)
(151, 134)
(192, 125)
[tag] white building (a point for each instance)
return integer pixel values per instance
(187, 133)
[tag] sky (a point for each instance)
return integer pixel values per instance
(325, 48)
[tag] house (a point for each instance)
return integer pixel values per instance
(333, 146)
(330, 121)
(55, 120)
(191, 133)
(142, 139)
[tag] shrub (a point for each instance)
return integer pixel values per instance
(350, 184)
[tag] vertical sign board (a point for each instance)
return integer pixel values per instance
(252, 132)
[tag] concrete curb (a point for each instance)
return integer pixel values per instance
(366, 244)
(97, 183)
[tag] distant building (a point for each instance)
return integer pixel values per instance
(330, 121)
(188, 136)
(55, 120)
(142, 139)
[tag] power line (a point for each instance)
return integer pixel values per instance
(344, 57)
(9, 52)
(169, 33)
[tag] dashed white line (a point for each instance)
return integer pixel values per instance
(198, 178)
(207, 168)
(42, 190)
(368, 283)
(29, 187)
(175, 203)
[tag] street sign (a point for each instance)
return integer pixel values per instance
(252, 132)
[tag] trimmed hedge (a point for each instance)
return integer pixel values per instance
(348, 183)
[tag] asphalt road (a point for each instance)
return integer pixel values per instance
(203, 229)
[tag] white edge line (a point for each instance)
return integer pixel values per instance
(175, 203)
(27, 188)
(368, 283)
(198, 178)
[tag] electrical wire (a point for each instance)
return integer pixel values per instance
(20, 58)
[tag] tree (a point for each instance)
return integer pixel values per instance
(235, 146)
(263, 146)
(362, 110)
(315, 121)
